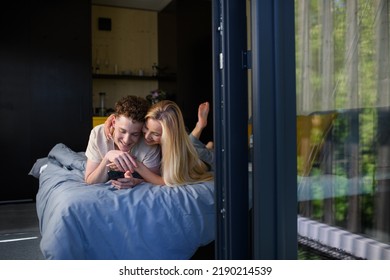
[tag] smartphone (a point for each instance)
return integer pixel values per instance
(136, 175)
(114, 175)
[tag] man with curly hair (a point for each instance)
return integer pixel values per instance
(127, 141)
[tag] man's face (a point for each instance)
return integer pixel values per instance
(126, 133)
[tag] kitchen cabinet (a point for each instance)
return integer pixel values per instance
(98, 120)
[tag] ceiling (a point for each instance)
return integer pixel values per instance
(152, 5)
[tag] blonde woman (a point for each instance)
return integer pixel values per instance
(180, 163)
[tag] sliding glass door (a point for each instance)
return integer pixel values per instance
(255, 129)
(302, 128)
(343, 125)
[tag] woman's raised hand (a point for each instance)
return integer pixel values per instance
(108, 126)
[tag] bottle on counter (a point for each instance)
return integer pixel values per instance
(154, 70)
(102, 111)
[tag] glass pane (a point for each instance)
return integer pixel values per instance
(343, 124)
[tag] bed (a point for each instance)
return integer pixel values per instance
(80, 221)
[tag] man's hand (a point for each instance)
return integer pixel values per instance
(126, 183)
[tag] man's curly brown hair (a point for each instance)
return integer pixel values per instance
(133, 107)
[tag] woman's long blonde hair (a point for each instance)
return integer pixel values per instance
(180, 163)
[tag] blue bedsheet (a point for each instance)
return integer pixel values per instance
(79, 221)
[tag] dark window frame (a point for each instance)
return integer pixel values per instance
(270, 232)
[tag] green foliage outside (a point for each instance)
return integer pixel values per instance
(365, 98)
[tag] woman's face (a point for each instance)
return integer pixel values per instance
(126, 133)
(153, 132)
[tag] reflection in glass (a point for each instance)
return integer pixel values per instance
(343, 122)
